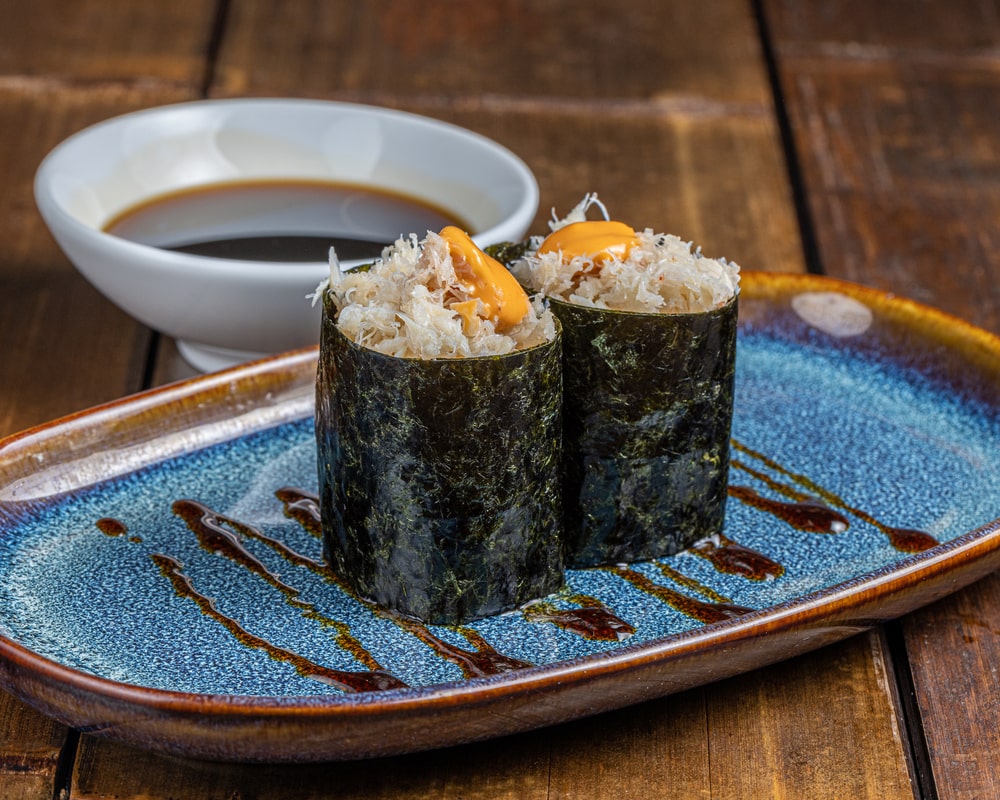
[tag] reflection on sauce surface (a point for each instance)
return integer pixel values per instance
(732, 557)
(290, 221)
(592, 620)
(303, 507)
(803, 515)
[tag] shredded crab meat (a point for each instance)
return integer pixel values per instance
(403, 307)
(661, 273)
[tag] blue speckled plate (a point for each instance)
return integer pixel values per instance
(161, 578)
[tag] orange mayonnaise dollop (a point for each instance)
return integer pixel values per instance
(486, 279)
(597, 240)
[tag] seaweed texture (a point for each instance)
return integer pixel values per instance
(648, 402)
(439, 479)
(508, 252)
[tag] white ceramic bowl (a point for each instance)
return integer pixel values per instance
(223, 311)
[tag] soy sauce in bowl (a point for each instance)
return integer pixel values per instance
(279, 221)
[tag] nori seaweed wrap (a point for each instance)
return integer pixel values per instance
(440, 477)
(647, 414)
(648, 394)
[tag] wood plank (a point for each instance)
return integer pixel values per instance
(515, 768)
(29, 751)
(657, 749)
(860, 28)
(819, 726)
(686, 144)
(170, 366)
(90, 41)
(954, 649)
(773, 733)
(894, 116)
(95, 351)
(53, 59)
(898, 201)
(558, 51)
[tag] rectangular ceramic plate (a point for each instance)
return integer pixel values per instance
(162, 579)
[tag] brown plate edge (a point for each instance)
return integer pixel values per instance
(360, 726)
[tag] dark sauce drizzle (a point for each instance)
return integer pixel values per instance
(803, 515)
(372, 681)
(696, 609)
(735, 559)
(111, 527)
(726, 556)
(591, 619)
(690, 583)
(303, 507)
(114, 528)
(482, 661)
(594, 622)
(804, 512)
(903, 539)
(208, 526)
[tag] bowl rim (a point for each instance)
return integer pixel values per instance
(55, 214)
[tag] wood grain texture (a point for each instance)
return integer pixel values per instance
(64, 66)
(29, 751)
(657, 749)
(819, 726)
(92, 41)
(557, 51)
(515, 768)
(898, 202)
(170, 366)
(954, 649)
(855, 28)
(94, 352)
(893, 109)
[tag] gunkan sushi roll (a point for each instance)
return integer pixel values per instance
(649, 343)
(438, 429)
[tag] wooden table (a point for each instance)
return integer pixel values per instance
(851, 138)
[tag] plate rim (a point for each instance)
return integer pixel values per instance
(964, 559)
